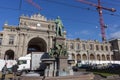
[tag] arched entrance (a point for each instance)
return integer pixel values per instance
(9, 55)
(37, 45)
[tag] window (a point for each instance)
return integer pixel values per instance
(78, 46)
(66, 45)
(11, 39)
(91, 46)
(97, 48)
(102, 48)
(106, 47)
(111, 48)
(83, 46)
(53, 27)
(49, 26)
(71, 46)
(0, 41)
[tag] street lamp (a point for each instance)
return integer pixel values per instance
(88, 56)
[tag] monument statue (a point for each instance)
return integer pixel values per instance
(58, 50)
(61, 50)
(51, 53)
(59, 27)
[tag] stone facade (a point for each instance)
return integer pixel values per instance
(33, 33)
(89, 50)
(115, 43)
(36, 34)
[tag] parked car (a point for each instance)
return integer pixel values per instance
(75, 68)
(114, 66)
(85, 66)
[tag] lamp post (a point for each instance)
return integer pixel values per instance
(88, 56)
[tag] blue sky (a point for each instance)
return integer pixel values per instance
(80, 20)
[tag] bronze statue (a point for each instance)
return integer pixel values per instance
(59, 27)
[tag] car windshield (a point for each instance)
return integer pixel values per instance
(22, 62)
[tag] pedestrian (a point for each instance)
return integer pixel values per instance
(4, 71)
(14, 70)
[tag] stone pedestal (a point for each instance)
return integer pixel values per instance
(70, 62)
(49, 71)
(61, 57)
(62, 66)
(60, 40)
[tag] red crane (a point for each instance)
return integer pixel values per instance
(34, 4)
(99, 8)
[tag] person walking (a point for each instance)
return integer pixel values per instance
(14, 70)
(4, 71)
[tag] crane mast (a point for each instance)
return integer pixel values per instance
(102, 25)
(99, 8)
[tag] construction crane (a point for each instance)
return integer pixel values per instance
(34, 4)
(99, 8)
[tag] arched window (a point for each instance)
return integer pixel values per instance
(84, 57)
(78, 57)
(98, 57)
(71, 46)
(92, 57)
(9, 55)
(103, 57)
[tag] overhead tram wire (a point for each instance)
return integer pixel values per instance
(56, 2)
(20, 5)
(113, 3)
(65, 4)
(17, 9)
(70, 5)
(116, 0)
(108, 3)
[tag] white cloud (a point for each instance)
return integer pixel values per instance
(69, 36)
(114, 27)
(85, 32)
(115, 35)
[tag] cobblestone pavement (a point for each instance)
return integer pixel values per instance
(114, 77)
(11, 78)
(98, 77)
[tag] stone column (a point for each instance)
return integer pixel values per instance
(51, 70)
(51, 42)
(47, 71)
(81, 56)
(70, 62)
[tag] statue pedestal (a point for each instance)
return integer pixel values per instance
(60, 40)
(49, 71)
(62, 66)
